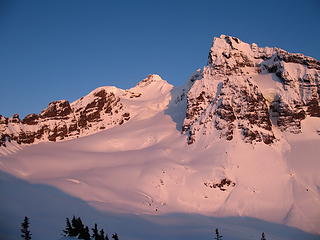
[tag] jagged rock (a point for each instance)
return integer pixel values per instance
(313, 108)
(31, 119)
(57, 110)
(229, 95)
(60, 120)
(26, 137)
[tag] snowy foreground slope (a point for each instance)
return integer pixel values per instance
(237, 148)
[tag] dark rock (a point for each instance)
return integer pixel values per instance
(56, 110)
(313, 108)
(221, 185)
(31, 119)
(299, 58)
(82, 121)
(93, 116)
(126, 116)
(62, 130)
(288, 119)
(26, 137)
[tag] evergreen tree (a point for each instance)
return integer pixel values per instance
(263, 237)
(218, 236)
(74, 224)
(101, 235)
(26, 235)
(77, 225)
(68, 231)
(95, 232)
(115, 236)
(76, 229)
(84, 234)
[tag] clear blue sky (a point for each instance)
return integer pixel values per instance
(62, 49)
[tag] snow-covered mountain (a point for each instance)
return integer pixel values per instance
(241, 138)
(103, 108)
(251, 89)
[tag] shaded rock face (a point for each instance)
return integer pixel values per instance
(235, 107)
(229, 98)
(31, 119)
(56, 110)
(62, 120)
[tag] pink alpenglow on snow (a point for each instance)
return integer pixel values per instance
(240, 139)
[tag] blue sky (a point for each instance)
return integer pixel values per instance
(62, 49)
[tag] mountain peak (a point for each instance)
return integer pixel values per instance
(249, 91)
(229, 39)
(151, 78)
(228, 43)
(154, 77)
(231, 51)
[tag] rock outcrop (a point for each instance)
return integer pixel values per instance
(62, 120)
(249, 90)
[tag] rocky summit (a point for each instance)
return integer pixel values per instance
(251, 90)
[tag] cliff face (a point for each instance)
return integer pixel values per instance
(249, 90)
(62, 120)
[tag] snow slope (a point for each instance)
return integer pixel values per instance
(48, 207)
(145, 166)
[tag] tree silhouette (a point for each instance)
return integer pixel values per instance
(26, 235)
(69, 231)
(115, 236)
(218, 236)
(101, 235)
(77, 225)
(95, 232)
(84, 234)
(76, 229)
